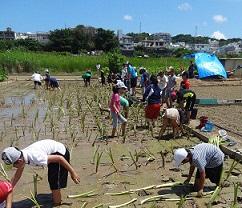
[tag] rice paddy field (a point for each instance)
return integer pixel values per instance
(134, 170)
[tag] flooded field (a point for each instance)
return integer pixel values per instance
(72, 116)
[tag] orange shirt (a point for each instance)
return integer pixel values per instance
(185, 84)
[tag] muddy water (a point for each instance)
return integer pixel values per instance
(22, 130)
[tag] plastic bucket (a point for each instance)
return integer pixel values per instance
(209, 126)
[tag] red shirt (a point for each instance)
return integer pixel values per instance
(185, 84)
(5, 189)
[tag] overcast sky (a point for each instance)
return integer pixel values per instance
(218, 18)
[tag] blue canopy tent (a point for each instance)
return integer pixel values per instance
(208, 65)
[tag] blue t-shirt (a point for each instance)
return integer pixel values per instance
(132, 72)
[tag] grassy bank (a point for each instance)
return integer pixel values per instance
(23, 61)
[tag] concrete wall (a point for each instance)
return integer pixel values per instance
(231, 64)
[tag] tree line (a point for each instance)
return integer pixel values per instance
(73, 40)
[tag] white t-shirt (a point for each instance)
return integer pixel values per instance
(163, 82)
(171, 82)
(37, 153)
(37, 77)
(173, 113)
(124, 73)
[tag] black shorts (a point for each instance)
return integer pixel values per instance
(57, 174)
(214, 174)
(133, 82)
(190, 101)
(37, 83)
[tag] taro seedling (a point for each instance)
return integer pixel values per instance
(98, 159)
(83, 195)
(110, 154)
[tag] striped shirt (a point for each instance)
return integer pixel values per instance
(206, 156)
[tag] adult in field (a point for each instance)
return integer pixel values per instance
(145, 79)
(191, 70)
(133, 76)
(87, 78)
(6, 194)
(171, 84)
(37, 78)
(207, 158)
(124, 76)
(48, 153)
(103, 79)
(51, 83)
(162, 82)
(153, 97)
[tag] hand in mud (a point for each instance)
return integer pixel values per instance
(200, 194)
(187, 181)
(75, 178)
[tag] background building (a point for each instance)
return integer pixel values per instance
(8, 34)
(166, 37)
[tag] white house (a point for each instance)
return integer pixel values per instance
(166, 37)
(153, 44)
(199, 47)
(126, 43)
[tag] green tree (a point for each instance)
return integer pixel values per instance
(29, 44)
(82, 39)
(180, 52)
(105, 40)
(138, 37)
(115, 62)
(61, 40)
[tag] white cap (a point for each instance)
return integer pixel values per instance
(120, 85)
(10, 155)
(179, 156)
(46, 70)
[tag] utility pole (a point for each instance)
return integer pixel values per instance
(196, 30)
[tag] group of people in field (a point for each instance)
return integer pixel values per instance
(158, 91)
(50, 81)
(162, 91)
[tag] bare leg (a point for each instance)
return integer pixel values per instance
(123, 127)
(195, 186)
(188, 117)
(175, 126)
(164, 125)
(113, 132)
(56, 196)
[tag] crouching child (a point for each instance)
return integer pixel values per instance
(48, 153)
